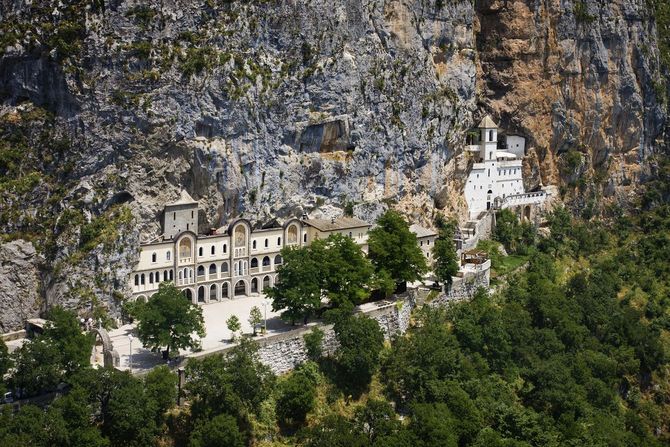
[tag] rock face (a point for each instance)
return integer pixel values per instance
(264, 108)
(19, 281)
(575, 77)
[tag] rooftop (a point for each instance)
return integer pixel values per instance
(421, 231)
(487, 123)
(184, 199)
(339, 223)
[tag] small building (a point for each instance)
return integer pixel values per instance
(426, 240)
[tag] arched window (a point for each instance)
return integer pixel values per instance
(191, 214)
(279, 241)
(200, 251)
(254, 285)
(189, 295)
(266, 243)
(201, 294)
(201, 270)
(254, 262)
(304, 238)
(171, 275)
(225, 248)
(278, 260)
(212, 293)
(266, 261)
(240, 288)
(142, 279)
(180, 274)
(266, 282)
(137, 280)
(224, 267)
(213, 250)
(151, 278)
(153, 257)
(167, 255)
(292, 234)
(351, 235)
(224, 290)
(253, 245)
(212, 269)
(490, 135)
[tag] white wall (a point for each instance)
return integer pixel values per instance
(516, 144)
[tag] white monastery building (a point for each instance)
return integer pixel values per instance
(237, 260)
(496, 178)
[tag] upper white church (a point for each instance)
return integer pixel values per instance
(496, 178)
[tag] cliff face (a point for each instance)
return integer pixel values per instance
(582, 81)
(263, 108)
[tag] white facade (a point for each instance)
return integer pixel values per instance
(426, 240)
(495, 174)
(236, 261)
(516, 144)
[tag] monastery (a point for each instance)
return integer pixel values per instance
(496, 178)
(241, 259)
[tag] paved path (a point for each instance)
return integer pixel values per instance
(218, 335)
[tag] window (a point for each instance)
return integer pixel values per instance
(489, 173)
(137, 280)
(142, 279)
(171, 275)
(253, 245)
(279, 241)
(266, 243)
(191, 214)
(490, 154)
(304, 237)
(187, 226)
(490, 135)
(351, 235)
(225, 248)
(200, 251)
(174, 216)
(167, 255)
(428, 242)
(153, 257)
(151, 278)
(213, 250)
(421, 243)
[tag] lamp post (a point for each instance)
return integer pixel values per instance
(265, 317)
(130, 353)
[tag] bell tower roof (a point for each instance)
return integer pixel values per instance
(184, 199)
(487, 123)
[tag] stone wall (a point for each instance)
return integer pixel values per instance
(282, 352)
(463, 288)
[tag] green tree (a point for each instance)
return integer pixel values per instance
(394, 249)
(314, 344)
(507, 230)
(160, 386)
(357, 356)
(255, 318)
(297, 290)
(169, 320)
(297, 397)
(377, 420)
(37, 367)
(5, 359)
(444, 255)
(221, 430)
(233, 324)
(234, 383)
(345, 272)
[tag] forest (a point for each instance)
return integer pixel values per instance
(570, 350)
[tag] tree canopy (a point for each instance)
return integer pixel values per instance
(334, 268)
(444, 254)
(393, 249)
(169, 320)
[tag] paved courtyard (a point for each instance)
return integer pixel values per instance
(218, 335)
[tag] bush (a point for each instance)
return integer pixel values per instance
(222, 430)
(297, 396)
(314, 344)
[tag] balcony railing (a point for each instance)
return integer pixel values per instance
(224, 275)
(253, 270)
(186, 260)
(240, 252)
(267, 268)
(184, 281)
